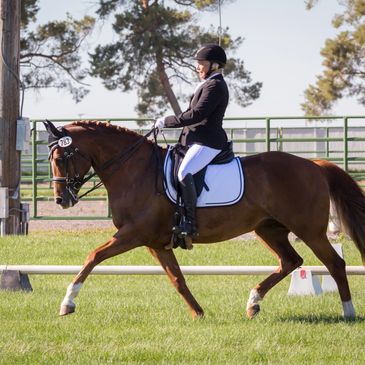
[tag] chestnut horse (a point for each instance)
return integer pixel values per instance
(283, 193)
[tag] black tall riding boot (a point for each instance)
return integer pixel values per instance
(188, 192)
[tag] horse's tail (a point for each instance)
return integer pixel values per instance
(349, 202)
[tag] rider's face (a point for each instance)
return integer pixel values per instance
(202, 67)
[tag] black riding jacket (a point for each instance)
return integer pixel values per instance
(203, 120)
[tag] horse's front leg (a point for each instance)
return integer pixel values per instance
(117, 245)
(169, 263)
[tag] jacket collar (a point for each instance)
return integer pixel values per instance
(216, 75)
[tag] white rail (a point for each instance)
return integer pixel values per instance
(157, 270)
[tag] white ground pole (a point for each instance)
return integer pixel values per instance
(157, 270)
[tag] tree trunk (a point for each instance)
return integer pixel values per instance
(167, 86)
(162, 74)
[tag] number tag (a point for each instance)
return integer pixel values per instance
(65, 141)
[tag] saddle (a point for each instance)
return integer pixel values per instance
(178, 153)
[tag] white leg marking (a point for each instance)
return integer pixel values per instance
(253, 299)
(71, 294)
(348, 310)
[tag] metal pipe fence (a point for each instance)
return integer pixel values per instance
(158, 270)
(338, 139)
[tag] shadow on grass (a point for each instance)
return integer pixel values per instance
(323, 319)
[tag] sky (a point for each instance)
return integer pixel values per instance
(281, 49)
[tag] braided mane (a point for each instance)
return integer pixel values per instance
(93, 124)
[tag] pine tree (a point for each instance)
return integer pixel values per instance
(344, 61)
(51, 53)
(153, 52)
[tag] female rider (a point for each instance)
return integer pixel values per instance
(202, 127)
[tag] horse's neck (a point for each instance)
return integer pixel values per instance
(132, 157)
(104, 148)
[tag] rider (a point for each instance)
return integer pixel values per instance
(202, 127)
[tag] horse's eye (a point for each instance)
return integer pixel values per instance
(58, 161)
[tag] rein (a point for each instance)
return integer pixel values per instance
(122, 157)
(74, 184)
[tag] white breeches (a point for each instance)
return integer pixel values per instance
(196, 158)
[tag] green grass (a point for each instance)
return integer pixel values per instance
(141, 319)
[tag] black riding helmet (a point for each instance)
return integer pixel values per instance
(213, 53)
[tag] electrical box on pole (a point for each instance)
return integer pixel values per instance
(4, 209)
(4, 203)
(23, 134)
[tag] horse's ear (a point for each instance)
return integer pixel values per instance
(52, 130)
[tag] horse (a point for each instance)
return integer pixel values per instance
(283, 193)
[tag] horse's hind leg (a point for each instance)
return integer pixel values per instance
(169, 263)
(336, 266)
(275, 236)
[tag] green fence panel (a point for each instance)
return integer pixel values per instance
(269, 133)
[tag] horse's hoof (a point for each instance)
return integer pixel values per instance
(253, 311)
(198, 316)
(350, 319)
(67, 309)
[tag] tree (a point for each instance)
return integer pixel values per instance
(344, 61)
(154, 50)
(51, 53)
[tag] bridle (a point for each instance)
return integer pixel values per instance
(74, 183)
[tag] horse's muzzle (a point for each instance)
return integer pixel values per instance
(65, 203)
(58, 200)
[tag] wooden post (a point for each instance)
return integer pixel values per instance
(9, 108)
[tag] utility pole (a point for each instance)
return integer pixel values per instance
(9, 109)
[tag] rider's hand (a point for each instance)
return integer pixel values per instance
(160, 123)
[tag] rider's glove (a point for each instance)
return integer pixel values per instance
(160, 123)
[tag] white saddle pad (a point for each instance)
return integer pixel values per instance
(225, 183)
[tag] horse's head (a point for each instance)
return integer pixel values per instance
(69, 165)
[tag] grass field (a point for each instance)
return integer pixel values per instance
(142, 320)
